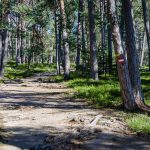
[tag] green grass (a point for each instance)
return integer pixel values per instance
(145, 79)
(21, 71)
(103, 93)
(139, 123)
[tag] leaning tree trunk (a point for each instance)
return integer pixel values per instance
(65, 40)
(147, 26)
(133, 57)
(130, 101)
(122, 64)
(93, 48)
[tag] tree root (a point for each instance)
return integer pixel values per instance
(142, 106)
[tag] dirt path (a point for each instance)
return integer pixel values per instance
(32, 111)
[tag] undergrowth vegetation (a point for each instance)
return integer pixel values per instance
(103, 93)
(139, 123)
(22, 71)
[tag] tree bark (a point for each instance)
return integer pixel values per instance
(65, 41)
(143, 51)
(3, 50)
(3, 37)
(110, 49)
(93, 47)
(147, 26)
(57, 41)
(79, 34)
(18, 41)
(123, 72)
(131, 102)
(132, 54)
(83, 44)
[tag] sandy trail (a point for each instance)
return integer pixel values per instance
(32, 111)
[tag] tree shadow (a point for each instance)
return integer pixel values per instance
(56, 139)
(40, 100)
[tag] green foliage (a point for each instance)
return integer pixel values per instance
(145, 79)
(103, 93)
(17, 72)
(139, 123)
(55, 79)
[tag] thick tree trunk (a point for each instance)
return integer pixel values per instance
(131, 102)
(123, 72)
(132, 54)
(93, 47)
(65, 41)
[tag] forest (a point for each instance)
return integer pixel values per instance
(74, 74)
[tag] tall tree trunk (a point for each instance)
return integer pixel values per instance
(18, 40)
(132, 54)
(130, 101)
(65, 41)
(3, 36)
(83, 44)
(23, 41)
(143, 50)
(79, 34)
(123, 72)
(61, 54)
(3, 50)
(110, 49)
(103, 33)
(57, 42)
(93, 47)
(147, 26)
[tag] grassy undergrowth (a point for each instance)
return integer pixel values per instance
(106, 93)
(22, 71)
(139, 123)
(103, 93)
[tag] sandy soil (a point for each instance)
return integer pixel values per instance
(34, 111)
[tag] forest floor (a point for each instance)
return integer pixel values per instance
(45, 115)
